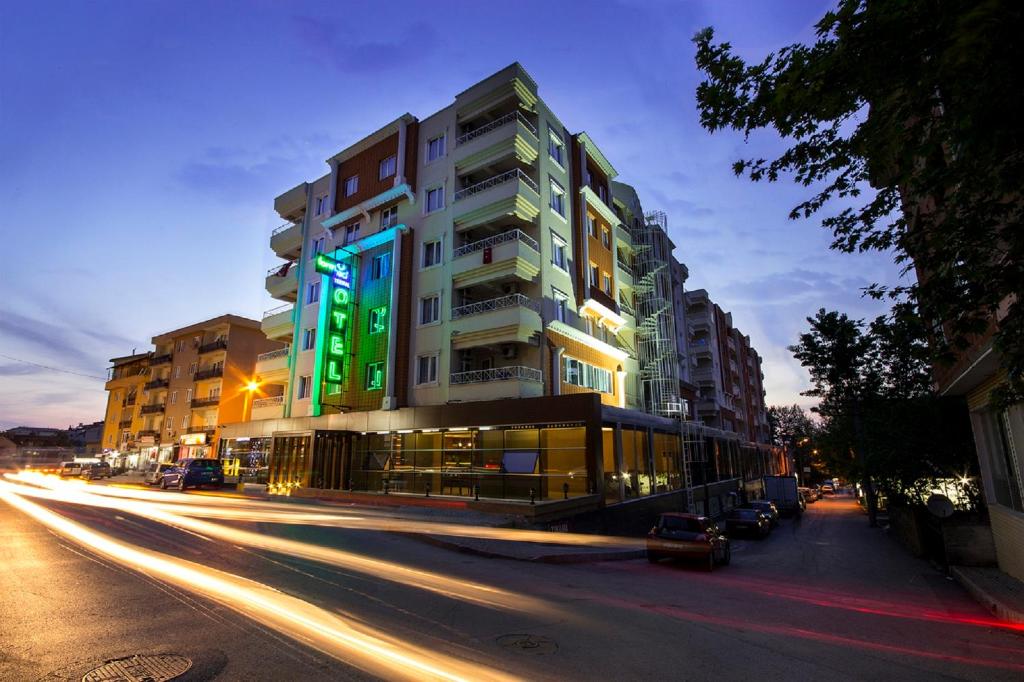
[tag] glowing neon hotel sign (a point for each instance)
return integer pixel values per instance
(332, 356)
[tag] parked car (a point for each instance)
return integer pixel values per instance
(747, 522)
(194, 473)
(688, 536)
(70, 469)
(810, 495)
(96, 470)
(765, 507)
(828, 489)
(154, 475)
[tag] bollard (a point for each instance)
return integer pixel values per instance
(428, 488)
(565, 491)
(385, 486)
(533, 495)
(476, 492)
(351, 485)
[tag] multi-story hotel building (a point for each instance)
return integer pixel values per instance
(460, 295)
(168, 403)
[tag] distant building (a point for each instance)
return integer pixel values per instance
(87, 438)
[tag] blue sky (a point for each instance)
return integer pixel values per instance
(142, 144)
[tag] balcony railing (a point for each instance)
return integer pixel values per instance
(626, 307)
(206, 401)
(495, 124)
(157, 383)
(209, 373)
(201, 428)
(278, 309)
(272, 401)
(148, 432)
(501, 179)
(477, 376)
(282, 228)
(625, 268)
(510, 301)
(494, 240)
(216, 344)
(154, 408)
(159, 359)
(280, 271)
(125, 423)
(279, 353)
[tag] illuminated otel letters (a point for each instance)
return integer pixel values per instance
(337, 321)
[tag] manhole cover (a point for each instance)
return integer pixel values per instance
(528, 644)
(140, 669)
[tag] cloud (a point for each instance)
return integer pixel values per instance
(18, 370)
(795, 285)
(333, 44)
(55, 340)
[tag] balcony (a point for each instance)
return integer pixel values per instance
(509, 194)
(156, 383)
(511, 254)
(286, 240)
(215, 345)
(699, 326)
(626, 307)
(208, 429)
(514, 318)
(283, 282)
(148, 432)
(154, 408)
(206, 401)
(292, 204)
(159, 360)
(496, 383)
(707, 406)
(511, 135)
(277, 323)
(623, 236)
(268, 408)
(626, 276)
(272, 367)
(209, 373)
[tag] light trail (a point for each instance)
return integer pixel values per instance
(258, 511)
(453, 588)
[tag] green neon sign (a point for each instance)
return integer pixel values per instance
(331, 365)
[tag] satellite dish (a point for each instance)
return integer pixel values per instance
(940, 506)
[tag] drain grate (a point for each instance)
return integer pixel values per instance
(538, 645)
(155, 668)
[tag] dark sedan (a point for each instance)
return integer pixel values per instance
(765, 507)
(747, 522)
(194, 473)
(688, 536)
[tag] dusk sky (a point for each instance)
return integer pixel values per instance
(142, 145)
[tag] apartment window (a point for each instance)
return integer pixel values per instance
(581, 374)
(602, 193)
(374, 376)
(591, 226)
(313, 293)
(321, 205)
(558, 247)
(426, 369)
(606, 283)
(557, 199)
(430, 309)
(351, 185)
(181, 345)
(378, 319)
(435, 199)
(389, 217)
(188, 396)
(174, 397)
(435, 148)
(388, 167)
(197, 341)
(305, 385)
(595, 274)
(431, 253)
(184, 422)
(351, 233)
(308, 338)
(192, 368)
(561, 304)
(317, 246)
(381, 266)
(556, 147)
(606, 237)
(177, 371)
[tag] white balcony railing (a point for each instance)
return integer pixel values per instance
(501, 179)
(495, 124)
(278, 309)
(477, 376)
(625, 268)
(272, 401)
(499, 303)
(282, 228)
(279, 353)
(494, 240)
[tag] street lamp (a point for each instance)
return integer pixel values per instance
(250, 387)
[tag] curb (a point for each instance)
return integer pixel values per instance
(986, 599)
(578, 558)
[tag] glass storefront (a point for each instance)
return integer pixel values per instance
(246, 458)
(289, 464)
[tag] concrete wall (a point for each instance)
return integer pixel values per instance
(1008, 533)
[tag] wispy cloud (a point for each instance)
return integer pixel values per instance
(336, 44)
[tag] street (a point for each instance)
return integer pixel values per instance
(318, 597)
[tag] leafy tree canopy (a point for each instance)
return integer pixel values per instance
(905, 114)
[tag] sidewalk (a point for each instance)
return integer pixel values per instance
(995, 590)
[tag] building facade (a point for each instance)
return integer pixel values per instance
(126, 388)
(479, 265)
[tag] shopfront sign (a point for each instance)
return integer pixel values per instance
(331, 367)
(193, 439)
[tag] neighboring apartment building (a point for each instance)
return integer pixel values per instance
(87, 438)
(126, 380)
(167, 404)
(460, 300)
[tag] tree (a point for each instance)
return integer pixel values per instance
(909, 109)
(788, 424)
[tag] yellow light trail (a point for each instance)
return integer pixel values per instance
(454, 588)
(364, 648)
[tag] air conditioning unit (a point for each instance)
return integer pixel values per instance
(509, 351)
(510, 288)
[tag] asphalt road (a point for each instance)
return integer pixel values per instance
(825, 597)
